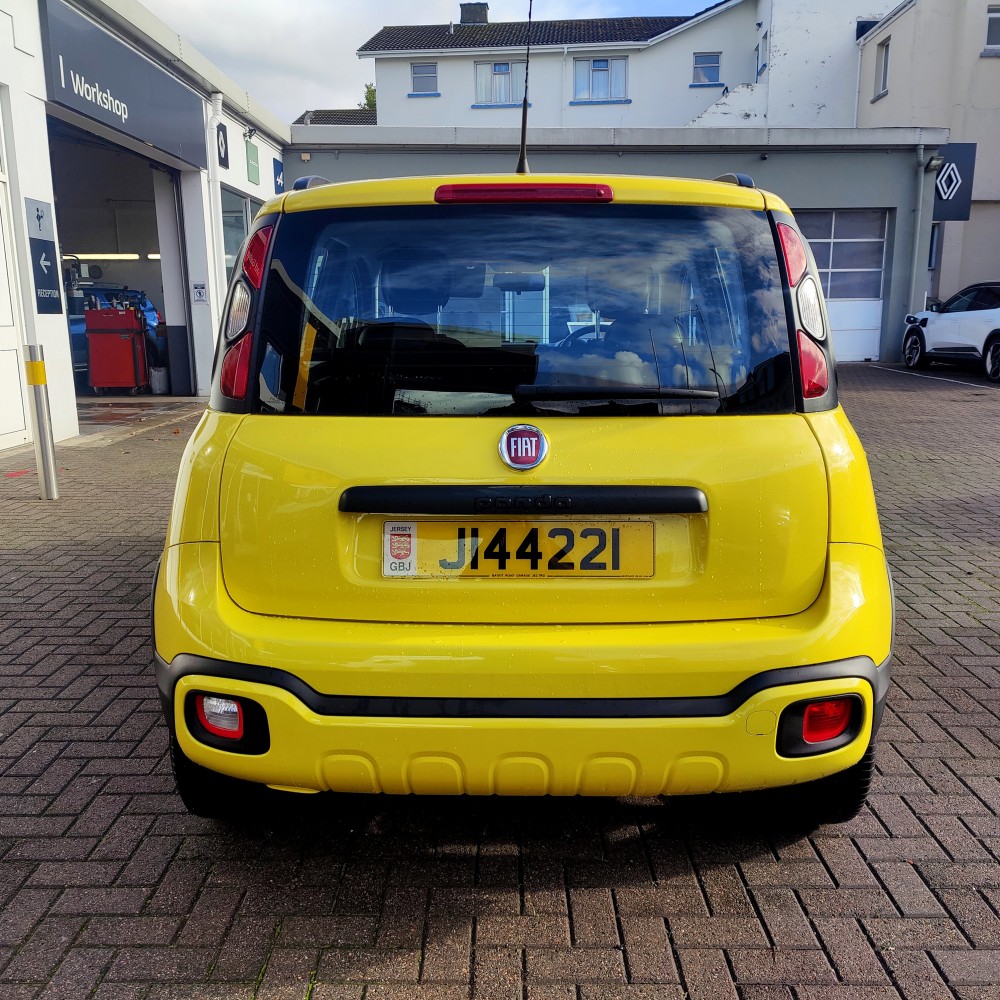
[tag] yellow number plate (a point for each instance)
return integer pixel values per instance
(515, 549)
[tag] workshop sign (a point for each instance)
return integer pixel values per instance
(44, 261)
(96, 74)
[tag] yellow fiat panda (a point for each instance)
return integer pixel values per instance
(524, 485)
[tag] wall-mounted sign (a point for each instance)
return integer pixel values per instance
(953, 184)
(222, 145)
(94, 73)
(253, 163)
(44, 261)
(279, 177)
(199, 291)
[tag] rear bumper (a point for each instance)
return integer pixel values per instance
(670, 746)
(600, 710)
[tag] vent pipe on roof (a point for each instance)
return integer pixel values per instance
(475, 13)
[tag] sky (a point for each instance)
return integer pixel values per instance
(299, 55)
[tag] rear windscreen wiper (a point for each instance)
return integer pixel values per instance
(625, 392)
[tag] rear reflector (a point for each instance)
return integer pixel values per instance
(523, 192)
(220, 716)
(826, 720)
(813, 368)
(236, 369)
(794, 251)
(256, 254)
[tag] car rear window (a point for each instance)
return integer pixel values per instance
(509, 310)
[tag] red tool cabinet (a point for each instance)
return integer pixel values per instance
(116, 349)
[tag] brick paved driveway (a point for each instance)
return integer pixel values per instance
(108, 889)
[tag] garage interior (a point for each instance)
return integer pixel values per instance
(106, 211)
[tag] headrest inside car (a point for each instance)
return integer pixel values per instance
(415, 281)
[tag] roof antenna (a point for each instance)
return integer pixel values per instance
(522, 160)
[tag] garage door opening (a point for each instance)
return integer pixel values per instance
(111, 205)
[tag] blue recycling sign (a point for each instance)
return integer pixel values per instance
(44, 260)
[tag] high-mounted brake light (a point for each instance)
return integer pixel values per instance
(795, 253)
(826, 720)
(485, 193)
(256, 254)
(813, 368)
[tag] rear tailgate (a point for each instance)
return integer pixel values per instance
(759, 549)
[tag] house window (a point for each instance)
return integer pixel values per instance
(707, 69)
(993, 26)
(599, 79)
(882, 69)
(499, 82)
(761, 51)
(849, 247)
(424, 79)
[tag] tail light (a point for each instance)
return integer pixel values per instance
(220, 716)
(813, 368)
(256, 254)
(826, 720)
(235, 377)
(819, 725)
(795, 253)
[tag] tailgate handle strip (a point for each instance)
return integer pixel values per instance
(520, 500)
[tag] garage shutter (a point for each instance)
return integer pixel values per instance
(849, 247)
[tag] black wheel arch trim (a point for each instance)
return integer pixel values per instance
(711, 706)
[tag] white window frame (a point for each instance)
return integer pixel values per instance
(616, 66)
(882, 68)
(489, 90)
(993, 28)
(414, 75)
(697, 68)
(761, 53)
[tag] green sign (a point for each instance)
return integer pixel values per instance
(253, 163)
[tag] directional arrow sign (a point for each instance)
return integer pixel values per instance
(48, 295)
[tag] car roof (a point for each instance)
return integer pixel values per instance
(629, 189)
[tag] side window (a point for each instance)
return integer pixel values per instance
(987, 298)
(882, 69)
(600, 79)
(424, 79)
(707, 69)
(762, 54)
(962, 302)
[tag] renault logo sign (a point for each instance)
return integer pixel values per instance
(948, 182)
(953, 187)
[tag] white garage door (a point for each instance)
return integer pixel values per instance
(849, 247)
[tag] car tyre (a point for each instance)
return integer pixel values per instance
(206, 793)
(837, 798)
(991, 357)
(914, 351)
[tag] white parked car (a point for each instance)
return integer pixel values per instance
(965, 329)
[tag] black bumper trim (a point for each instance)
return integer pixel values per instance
(713, 706)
